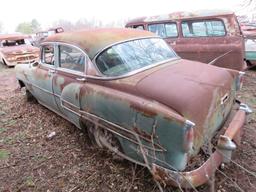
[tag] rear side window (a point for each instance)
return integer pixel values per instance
(47, 56)
(71, 58)
(207, 28)
(164, 29)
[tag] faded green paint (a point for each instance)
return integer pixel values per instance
(169, 132)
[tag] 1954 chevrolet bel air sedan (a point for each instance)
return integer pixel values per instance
(137, 98)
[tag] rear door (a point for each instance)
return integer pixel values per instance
(68, 81)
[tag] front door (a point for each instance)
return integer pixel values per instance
(42, 77)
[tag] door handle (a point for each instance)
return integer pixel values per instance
(173, 43)
(82, 79)
(50, 72)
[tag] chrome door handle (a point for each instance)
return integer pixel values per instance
(81, 79)
(50, 72)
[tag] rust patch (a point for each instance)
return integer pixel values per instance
(144, 110)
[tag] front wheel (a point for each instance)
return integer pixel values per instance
(29, 97)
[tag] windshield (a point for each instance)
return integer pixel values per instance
(126, 57)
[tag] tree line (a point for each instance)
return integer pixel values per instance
(34, 26)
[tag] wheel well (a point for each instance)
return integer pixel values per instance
(21, 83)
(4, 61)
(248, 62)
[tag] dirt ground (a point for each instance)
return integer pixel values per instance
(68, 162)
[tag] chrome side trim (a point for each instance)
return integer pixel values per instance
(89, 117)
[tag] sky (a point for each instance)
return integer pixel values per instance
(47, 12)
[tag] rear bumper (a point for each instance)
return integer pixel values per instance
(226, 144)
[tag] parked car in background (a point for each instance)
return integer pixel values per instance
(137, 98)
(41, 35)
(207, 36)
(15, 49)
(250, 51)
(249, 30)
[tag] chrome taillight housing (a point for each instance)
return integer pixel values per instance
(239, 80)
(188, 136)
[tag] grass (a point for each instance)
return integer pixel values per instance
(4, 154)
(29, 182)
(2, 130)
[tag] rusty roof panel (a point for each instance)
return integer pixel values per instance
(182, 15)
(94, 40)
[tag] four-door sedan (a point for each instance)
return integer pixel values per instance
(137, 98)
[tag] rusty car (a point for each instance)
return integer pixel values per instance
(137, 98)
(14, 49)
(250, 52)
(208, 36)
(249, 30)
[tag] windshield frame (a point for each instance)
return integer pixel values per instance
(176, 57)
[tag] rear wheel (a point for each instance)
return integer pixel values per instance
(105, 139)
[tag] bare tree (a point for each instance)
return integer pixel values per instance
(249, 6)
(86, 24)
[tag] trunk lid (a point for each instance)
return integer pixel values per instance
(201, 93)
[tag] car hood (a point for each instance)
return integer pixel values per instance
(20, 49)
(195, 91)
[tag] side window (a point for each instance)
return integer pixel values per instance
(71, 58)
(47, 56)
(164, 29)
(207, 28)
(141, 27)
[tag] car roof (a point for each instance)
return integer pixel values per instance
(12, 36)
(93, 41)
(182, 15)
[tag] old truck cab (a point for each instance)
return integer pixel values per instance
(212, 37)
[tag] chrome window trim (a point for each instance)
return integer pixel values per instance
(104, 77)
(87, 59)
(41, 52)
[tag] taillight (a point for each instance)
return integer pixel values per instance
(188, 136)
(239, 80)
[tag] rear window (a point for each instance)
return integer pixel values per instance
(164, 29)
(207, 28)
(129, 56)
